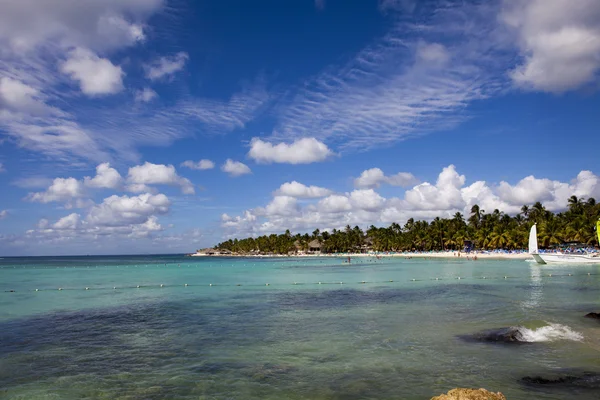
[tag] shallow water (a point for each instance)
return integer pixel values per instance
(387, 338)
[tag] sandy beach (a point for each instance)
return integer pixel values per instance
(484, 255)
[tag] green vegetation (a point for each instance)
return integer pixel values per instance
(495, 230)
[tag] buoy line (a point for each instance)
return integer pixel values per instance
(317, 283)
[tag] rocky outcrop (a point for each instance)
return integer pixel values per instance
(593, 315)
(511, 334)
(470, 394)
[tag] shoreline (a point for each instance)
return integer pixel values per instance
(439, 254)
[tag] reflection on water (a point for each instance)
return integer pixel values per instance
(536, 284)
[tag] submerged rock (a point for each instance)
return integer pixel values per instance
(511, 334)
(585, 380)
(470, 394)
(593, 315)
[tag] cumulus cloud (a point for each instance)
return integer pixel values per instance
(374, 177)
(145, 95)
(96, 76)
(301, 151)
(166, 67)
(3, 214)
(200, 165)
(116, 217)
(140, 176)
(559, 42)
(106, 177)
(235, 168)
(449, 194)
(61, 190)
(125, 210)
(298, 190)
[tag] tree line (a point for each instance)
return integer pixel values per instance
(488, 231)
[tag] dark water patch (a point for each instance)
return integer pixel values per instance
(568, 381)
(353, 297)
(132, 339)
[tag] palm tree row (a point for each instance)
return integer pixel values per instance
(495, 230)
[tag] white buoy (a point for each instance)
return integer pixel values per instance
(414, 279)
(319, 283)
(138, 286)
(210, 284)
(161, 285)
(391, 280)
(59, 288)
(267, 284)
(36, 290)
(484, 277)
(505, 277)
(185, 284)
(87, 288)
(114, 287)
(437, 279)
(549, 274)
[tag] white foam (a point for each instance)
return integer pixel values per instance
(549, 333)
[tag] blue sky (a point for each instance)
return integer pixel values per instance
(145, 126)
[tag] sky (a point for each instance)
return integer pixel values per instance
(164, 126)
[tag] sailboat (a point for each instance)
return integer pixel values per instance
(561, 257)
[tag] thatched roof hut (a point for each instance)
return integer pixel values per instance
(314, 245)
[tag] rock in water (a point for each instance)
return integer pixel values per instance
(593, 315)
(511, 334)
(470, 394)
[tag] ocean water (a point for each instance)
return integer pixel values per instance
(267, 329)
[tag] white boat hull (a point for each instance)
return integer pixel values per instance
(562, 258)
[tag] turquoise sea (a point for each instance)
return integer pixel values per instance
(267, 329)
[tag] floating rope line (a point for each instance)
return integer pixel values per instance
(319, 283)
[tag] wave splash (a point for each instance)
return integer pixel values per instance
(521, 334)
(548, 333)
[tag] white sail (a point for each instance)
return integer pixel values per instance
(533, 245)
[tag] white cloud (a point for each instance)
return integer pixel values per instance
(18, 97)
(156, 174)
(2, 169)
(559, 42)
(301, 151)
(96, 76)
(404, 84)
(3, 214)
(106, 177)
(166, 66)
(201, 165)
(145, 95)
(298, 190)
(116, 218)
(334, 203)
(235, 168)
(374, 177)
(282, 205)
(125, 210)
(433, 54)
(102, 25)
(448, 195)
(61, 190)
(71, 221)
